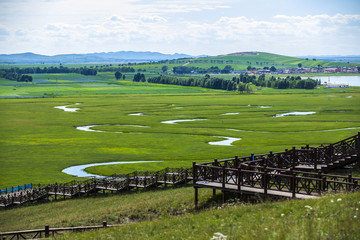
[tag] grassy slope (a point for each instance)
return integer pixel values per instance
(258, 60)
(334, 217)
(171, 214)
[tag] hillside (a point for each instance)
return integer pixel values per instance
(171, 214)
(241, 60)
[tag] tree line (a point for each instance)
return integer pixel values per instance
(240, 83)
(61, 69)
(212, 69)
(279, 83)
(205, 82)
(13, 76)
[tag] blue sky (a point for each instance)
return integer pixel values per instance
(195, 27)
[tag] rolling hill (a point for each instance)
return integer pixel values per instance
(240, 61)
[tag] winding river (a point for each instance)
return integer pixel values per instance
(227, 142)
(79, 170)
(67, 109)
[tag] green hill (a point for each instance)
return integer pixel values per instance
(241, 60)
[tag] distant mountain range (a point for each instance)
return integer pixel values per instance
(109, 57)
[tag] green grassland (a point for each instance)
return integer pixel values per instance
(171, 214)
(237, 61)
(254, 59)
(38, 141)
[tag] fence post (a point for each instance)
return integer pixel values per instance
(194, 182)
(350, 181)
(223, 177)
(265, 179)
(331, 152)
(292, 182)
(239, 178)
(194, 173)
(293, 157)
(165, 176)
(270, 159)
(236, 162)
(324, 183)
(315, 156)
(104, 224)
(47, 230)
(145, 177)
(319, 183)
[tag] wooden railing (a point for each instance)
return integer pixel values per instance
(48, 232)
(322, 155)
(283, 173)
(116, 182)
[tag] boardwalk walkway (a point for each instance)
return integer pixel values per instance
(115, 183)
(295, 173)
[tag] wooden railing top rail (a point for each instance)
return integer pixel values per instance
(47, 230)
(259, 169)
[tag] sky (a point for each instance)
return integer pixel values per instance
(195, 27)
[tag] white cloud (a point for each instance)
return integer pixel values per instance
(194, 27)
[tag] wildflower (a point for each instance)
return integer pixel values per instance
(266, 229)
(309, 207)
(357, 209)
(218, 236)
(332, 200)
(339, 199)
(282, 214)
(355, 216)
(262, 218)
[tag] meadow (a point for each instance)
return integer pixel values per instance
(38, 141)
(171, 214)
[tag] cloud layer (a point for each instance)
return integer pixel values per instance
(170, 26)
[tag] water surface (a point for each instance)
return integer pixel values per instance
(227, 142)
(182, 120)
(79, 170)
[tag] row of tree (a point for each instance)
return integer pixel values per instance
(13, 76)
(187, 70)
(61, 69)
(241, 83)
(205, 82)
(279, 83)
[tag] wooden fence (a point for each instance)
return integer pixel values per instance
(297, 173)
(116, 182)
(48, 232)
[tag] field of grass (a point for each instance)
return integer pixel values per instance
(39, 141)
(257, 60)
(170, 214)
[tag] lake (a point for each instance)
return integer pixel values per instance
(350, 80)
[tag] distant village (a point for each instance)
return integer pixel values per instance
(302, 70)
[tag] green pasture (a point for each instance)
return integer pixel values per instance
(169, 213)
(68, 85)
(258, 60)
(39, 141)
